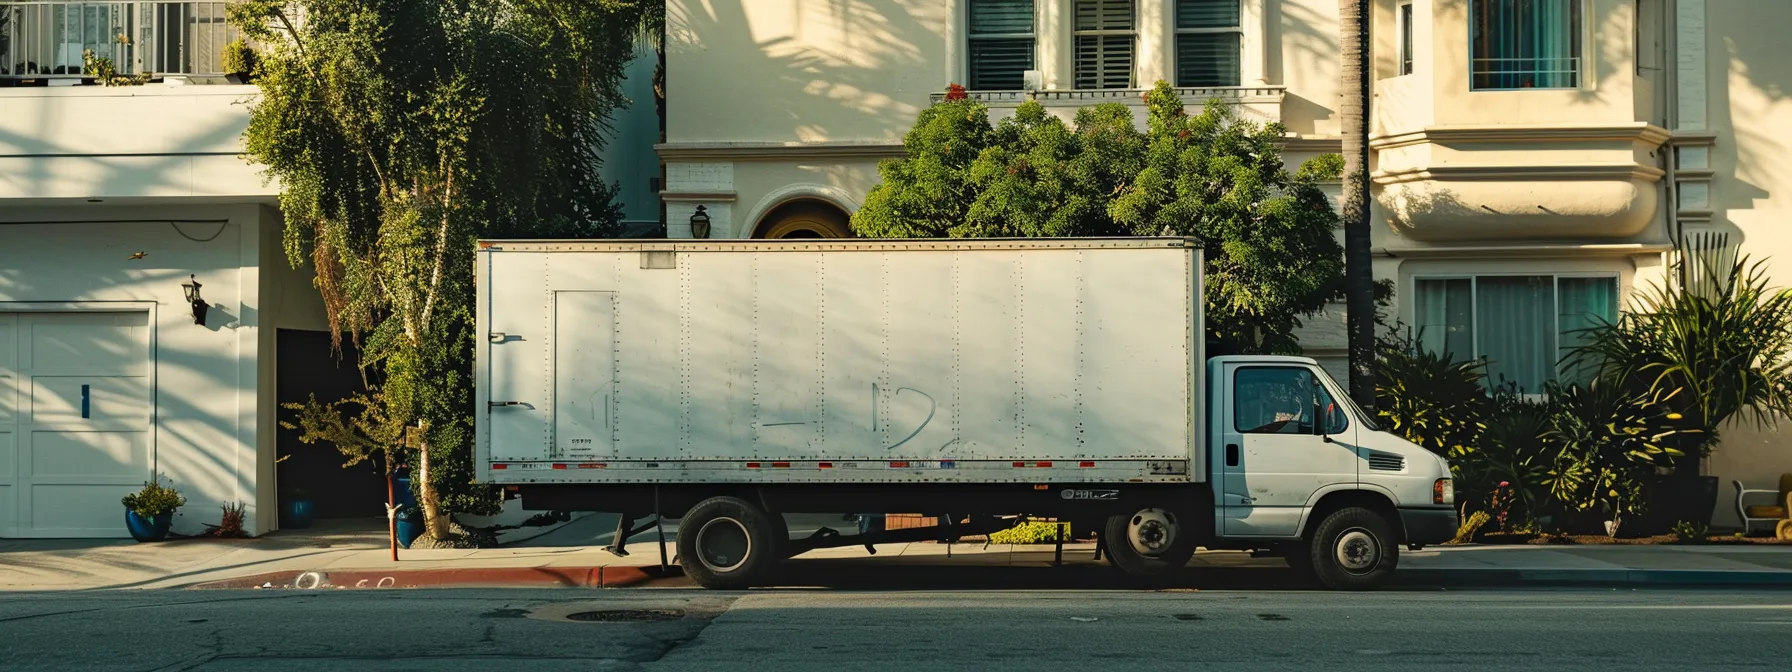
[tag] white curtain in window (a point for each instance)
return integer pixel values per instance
(1517, 325)
(1445, 313)
(1582, 303)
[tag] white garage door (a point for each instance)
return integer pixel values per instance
(74, 421)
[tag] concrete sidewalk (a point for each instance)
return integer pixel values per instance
(358, 554)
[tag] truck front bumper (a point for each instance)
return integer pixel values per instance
(1428, 526)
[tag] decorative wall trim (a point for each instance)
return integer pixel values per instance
(1519, 133)
(1690, 91)
(777, 151)
(698, 196)
(1582, 171)
(1536, 251)
(1693, 138)
(1321, 144)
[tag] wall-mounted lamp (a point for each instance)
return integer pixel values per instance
(700, 223)
(191, 287)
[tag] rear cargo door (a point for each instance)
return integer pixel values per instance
(518, 360)
(584, 375)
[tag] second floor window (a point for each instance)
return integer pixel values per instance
(1404, 16)
(1209, 42)
(1525, 44)
(1001, 44)
(1105, 41)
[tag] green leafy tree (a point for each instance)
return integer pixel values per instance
(1272, 256)
(400, 131)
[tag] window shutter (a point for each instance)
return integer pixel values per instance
(1207, 14)
(1001, 17)
(1104, 15)
(1104, 61)
(1207, 59)
(1001, 44)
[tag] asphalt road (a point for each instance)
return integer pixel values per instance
(779, 630)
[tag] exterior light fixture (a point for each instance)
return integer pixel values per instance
(700, 223)
(191, 288)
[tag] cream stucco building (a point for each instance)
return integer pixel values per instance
(1533, 161)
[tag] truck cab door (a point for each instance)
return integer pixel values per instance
(1276, 457)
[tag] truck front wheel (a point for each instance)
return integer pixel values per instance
(1351, 549)
(1150, 543)
(726, 543)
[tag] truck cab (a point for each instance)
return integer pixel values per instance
(1297, 466)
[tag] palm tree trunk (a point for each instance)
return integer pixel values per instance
(1359, 280)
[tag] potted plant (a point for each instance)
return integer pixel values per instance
(296, 515)
(238, 61)
(149, 512)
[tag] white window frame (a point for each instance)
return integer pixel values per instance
(1582, 59)
(1244, 16)
(1403, 32)
(971, 37)
(1076, 35)
(1474, 289)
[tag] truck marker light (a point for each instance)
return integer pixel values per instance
(500, 466)
(1018, 465)
(559, 465)
(752, 465)
(1086, 465)
(898, 465)
(1043, 465)
(780, 465)
(825, 465)
(1042, 486)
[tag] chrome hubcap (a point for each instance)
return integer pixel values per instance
(1357, 551)
(723, 544)
(1151, 532)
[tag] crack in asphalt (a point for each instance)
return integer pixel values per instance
(27, 617)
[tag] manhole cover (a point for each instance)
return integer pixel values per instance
(626, 615)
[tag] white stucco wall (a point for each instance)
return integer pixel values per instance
(213, 428)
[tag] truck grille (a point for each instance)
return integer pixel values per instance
(1386, 462)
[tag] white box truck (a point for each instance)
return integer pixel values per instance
(727, 383)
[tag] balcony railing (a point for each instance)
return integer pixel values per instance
(1133, 96)
(45, 39)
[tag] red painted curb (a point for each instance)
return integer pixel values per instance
(484, 577)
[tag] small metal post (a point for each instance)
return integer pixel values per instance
(659, 524)
(1058, 549)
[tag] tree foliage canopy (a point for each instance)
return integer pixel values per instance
(400, 131)
(1271, 248)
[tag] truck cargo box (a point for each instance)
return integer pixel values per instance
(840, 361)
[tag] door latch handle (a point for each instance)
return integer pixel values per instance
(495, 404)
(1231, 454)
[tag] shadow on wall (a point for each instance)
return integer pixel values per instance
(141, 173)
(846, 92)
(1311, 38)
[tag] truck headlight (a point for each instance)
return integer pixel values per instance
(1443, 492)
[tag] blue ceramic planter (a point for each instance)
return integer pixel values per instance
(410, 526)
(297, 514)
(148, 529)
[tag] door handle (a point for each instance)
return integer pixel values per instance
(495, 404)
(1231, 454)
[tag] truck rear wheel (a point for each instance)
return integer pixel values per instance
(726, 543)
(1351, 549)
(1150, 543)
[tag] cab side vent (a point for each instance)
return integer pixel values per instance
(1386, 462)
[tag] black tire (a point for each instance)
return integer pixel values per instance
(725, 543)
(1124, 555)
(1351, 549)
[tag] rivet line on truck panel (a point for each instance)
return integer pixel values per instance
(865, 464)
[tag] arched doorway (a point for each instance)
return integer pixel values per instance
(804, 218)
